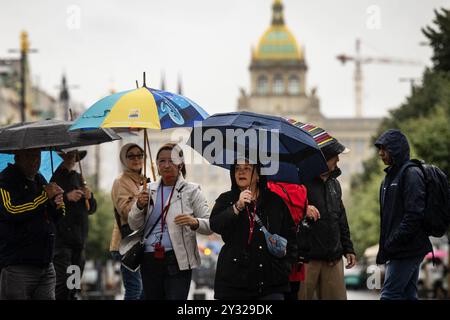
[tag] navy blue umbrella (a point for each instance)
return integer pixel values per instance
(269, 140)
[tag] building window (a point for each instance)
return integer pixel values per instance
(278, 85)
(262, 85)
(294, 85)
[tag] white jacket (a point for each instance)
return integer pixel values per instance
(186, 199)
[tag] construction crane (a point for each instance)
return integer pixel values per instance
(359, 60)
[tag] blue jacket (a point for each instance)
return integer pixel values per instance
(27, 232)
(402, 204)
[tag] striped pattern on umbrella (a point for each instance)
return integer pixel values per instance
(321, 136)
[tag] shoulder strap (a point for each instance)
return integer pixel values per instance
(152, 228)
(406, 165)
(259, 222)
(166, 208)
(116, 215)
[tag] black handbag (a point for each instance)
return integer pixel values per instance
(132, 259)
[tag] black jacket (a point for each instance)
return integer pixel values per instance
(329, 237)
(402, 204)
(72, 229)
(27, 232)
(251, 271)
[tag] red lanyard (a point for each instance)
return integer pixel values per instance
(251, 221)
(164, 210)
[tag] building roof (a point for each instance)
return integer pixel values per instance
(278, 42)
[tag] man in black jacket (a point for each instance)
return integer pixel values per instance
(28, 208)
(403, 240)
(329, 237)
(72, 230)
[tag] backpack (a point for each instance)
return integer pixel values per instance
(293, 195)
(437, 202)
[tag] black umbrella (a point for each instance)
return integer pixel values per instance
(218, 137)
(50, 134)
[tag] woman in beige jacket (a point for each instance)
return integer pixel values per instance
(124, 193)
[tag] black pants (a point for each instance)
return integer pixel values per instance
(27, 282)
(293, 294)
(65, 257)
(163, 280)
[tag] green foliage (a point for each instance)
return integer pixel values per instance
(100, 228)
(440, 40)
(363, 214)
(430, 137)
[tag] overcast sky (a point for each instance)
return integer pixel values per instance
(208, 42)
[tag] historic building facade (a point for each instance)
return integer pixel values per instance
(278, 78)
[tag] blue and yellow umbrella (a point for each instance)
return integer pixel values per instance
(143, 107)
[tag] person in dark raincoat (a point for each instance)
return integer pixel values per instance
(403, 240)
(72, 229)
(245, 268)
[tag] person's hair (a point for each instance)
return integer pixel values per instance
(170, 147)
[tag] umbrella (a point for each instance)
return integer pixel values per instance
(46, 158)
(322, 137)
(232, 134)
(143, 107)
(50, 134)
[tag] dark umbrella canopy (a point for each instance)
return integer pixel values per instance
(295, 146)
(48, 134)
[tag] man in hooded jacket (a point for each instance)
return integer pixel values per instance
(403, 240)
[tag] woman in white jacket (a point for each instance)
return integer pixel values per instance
(171, 211)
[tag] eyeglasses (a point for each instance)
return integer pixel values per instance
(135, 156)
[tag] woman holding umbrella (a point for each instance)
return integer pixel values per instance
(246, 269)
(124, 193)
(170, 213)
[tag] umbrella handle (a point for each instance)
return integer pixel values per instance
(86, 201)
(151, 159)
(88, 206)
(145, 159)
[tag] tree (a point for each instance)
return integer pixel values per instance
(363, 215)
(100, 228)
(440, 40)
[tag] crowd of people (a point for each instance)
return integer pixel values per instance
(43, 228)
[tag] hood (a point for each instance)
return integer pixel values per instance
(396, 144)
(234, 187)
(123, 153)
